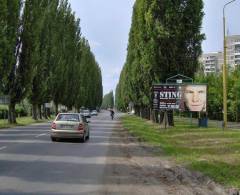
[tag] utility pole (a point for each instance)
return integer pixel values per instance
(224, 69)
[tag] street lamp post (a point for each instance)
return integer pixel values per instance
(224, 69)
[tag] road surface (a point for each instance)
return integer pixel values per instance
(111, 162)
(30, 163)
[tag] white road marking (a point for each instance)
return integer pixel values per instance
(1, 148)
(41, 135)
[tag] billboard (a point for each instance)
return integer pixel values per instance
(185, 97)
(166, 97)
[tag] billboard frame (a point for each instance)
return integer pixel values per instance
(183, 84)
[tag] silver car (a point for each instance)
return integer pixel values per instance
(94, 113)
(86, 113)
(70, 125)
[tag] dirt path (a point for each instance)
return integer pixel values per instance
(132, 168)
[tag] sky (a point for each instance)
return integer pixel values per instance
(213, 23)
(106, 24)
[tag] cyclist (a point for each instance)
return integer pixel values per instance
(112, 114)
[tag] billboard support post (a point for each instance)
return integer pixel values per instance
(181, 79)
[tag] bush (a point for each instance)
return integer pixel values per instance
(3, 112)
(20, 111)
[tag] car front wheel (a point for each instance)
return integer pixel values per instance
(53, 139)
(88, 136)
(83, 139)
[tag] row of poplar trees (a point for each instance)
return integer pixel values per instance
(108, 101)
(43, 56)
(164, 40)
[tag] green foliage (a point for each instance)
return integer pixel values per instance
(214, 94)
(21, 121)
(20, 111)
(108, 101)
(9, 26)
(44, 57)
(75, 76)
(91, 79)
(3, 112)
(215, 91)
(234, 94)
(165, 39)
(43, 31)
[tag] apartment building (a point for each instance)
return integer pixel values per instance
(233, 50)
(212, 62)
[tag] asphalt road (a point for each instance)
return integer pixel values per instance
(30, 163)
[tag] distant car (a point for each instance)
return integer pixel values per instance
(86, 113)
(94, 113)
(70, 125)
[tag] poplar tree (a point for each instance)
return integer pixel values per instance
(58, 69)
(43, 57)
(165, 39)
(108, 100)
(11, 71)
(43, 30)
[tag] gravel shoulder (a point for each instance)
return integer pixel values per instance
(133, 168)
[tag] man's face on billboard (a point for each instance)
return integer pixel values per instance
(195, 97)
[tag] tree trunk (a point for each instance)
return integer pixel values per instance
(141, 112)
(170, 118)
(45, 112)
(161, 117)
(137, 112)
(144, 113)
(56, 108)
(12, 113)
(34, 112)
(48, 112)
(147, 113)
(155, 116)
(158, 116)
(164, 123)
(69, 108)
(40, 111)
(151, 114)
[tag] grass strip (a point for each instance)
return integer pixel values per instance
(212, 151)
(21, 121)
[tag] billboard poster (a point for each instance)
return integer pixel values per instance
(166, 97)
(185, 97)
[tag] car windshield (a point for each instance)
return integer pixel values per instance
(68, 117)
